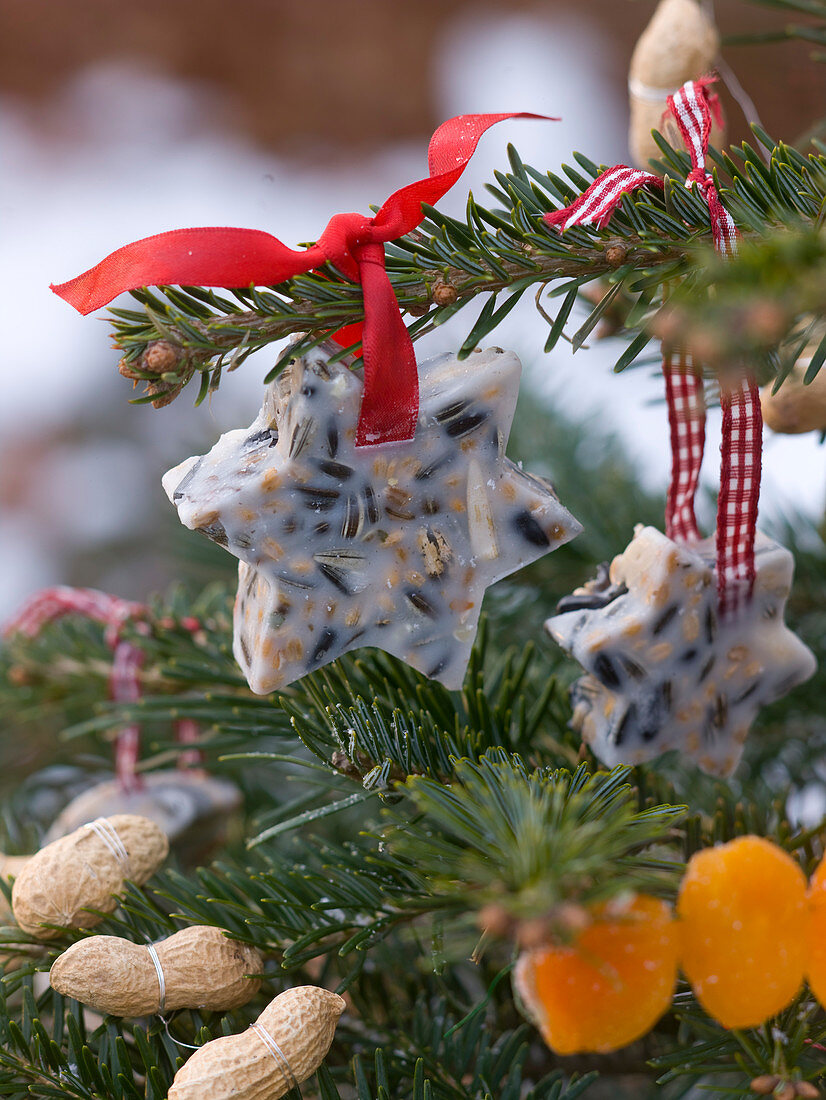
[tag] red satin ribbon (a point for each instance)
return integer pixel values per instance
(352, 243)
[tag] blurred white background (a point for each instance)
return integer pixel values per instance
(123, 150)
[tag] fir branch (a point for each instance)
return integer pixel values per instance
(440, 268)
(813, 30)
(532, 841)
(767, 305)
(715, 1056)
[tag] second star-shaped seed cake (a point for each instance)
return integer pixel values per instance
(390, 546)
(663, 670)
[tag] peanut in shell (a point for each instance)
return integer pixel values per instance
(680, 43)
(796, 407)
(285, 1046)
(86, 870)
(202, 968)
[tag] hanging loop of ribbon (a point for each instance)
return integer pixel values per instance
(352, 243)
(692, 107)
(687, 424)
(127, 658)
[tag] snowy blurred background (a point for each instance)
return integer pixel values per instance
(118, 121)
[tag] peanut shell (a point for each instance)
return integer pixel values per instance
(300, 1021)
(202, 968)
(680, 43)
(81, 872)
(796, 408)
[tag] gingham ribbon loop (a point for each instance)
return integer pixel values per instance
(687, 423)
(127, 658)
(693, 106)
(742, 446)
(596, 205)
(742, 451)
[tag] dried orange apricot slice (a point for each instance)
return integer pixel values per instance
(816, 945)
(742, 910)
(610, 986)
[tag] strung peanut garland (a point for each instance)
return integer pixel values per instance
(191, 807)
(74, 881)
(680, 43)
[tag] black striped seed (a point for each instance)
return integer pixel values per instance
(632, 667)
(335, 469)
(428, 471)
(421, 603)
(439, 667)
(707, 667)
(745, 694)
(216, 532)
(529, 529)
(605, 671)
(352, 517)
(710, 625)
(186, 479)
(466, 424)
(372, 506)
(664, 619)
(627, 720)
(319, 500)
(336, 577)
(450, 412)
(332, 439)
(266, 435)
(324, 644)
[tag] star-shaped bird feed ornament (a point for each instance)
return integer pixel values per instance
(664, 669)
(391, 546)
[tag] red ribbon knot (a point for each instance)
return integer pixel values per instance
(701, 177)
(352, 243)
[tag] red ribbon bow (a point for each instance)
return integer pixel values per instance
(353, 243)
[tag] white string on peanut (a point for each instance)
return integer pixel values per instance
(277, 1053)
(109, 835)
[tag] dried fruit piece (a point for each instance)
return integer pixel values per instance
(743, 911)
(816, 939)
(610, 986)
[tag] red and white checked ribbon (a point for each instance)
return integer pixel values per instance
(742, 446)
(687, 421)
(596, 205)
(124, 678)
(692, 108)
(52, 603)
(739, 493)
